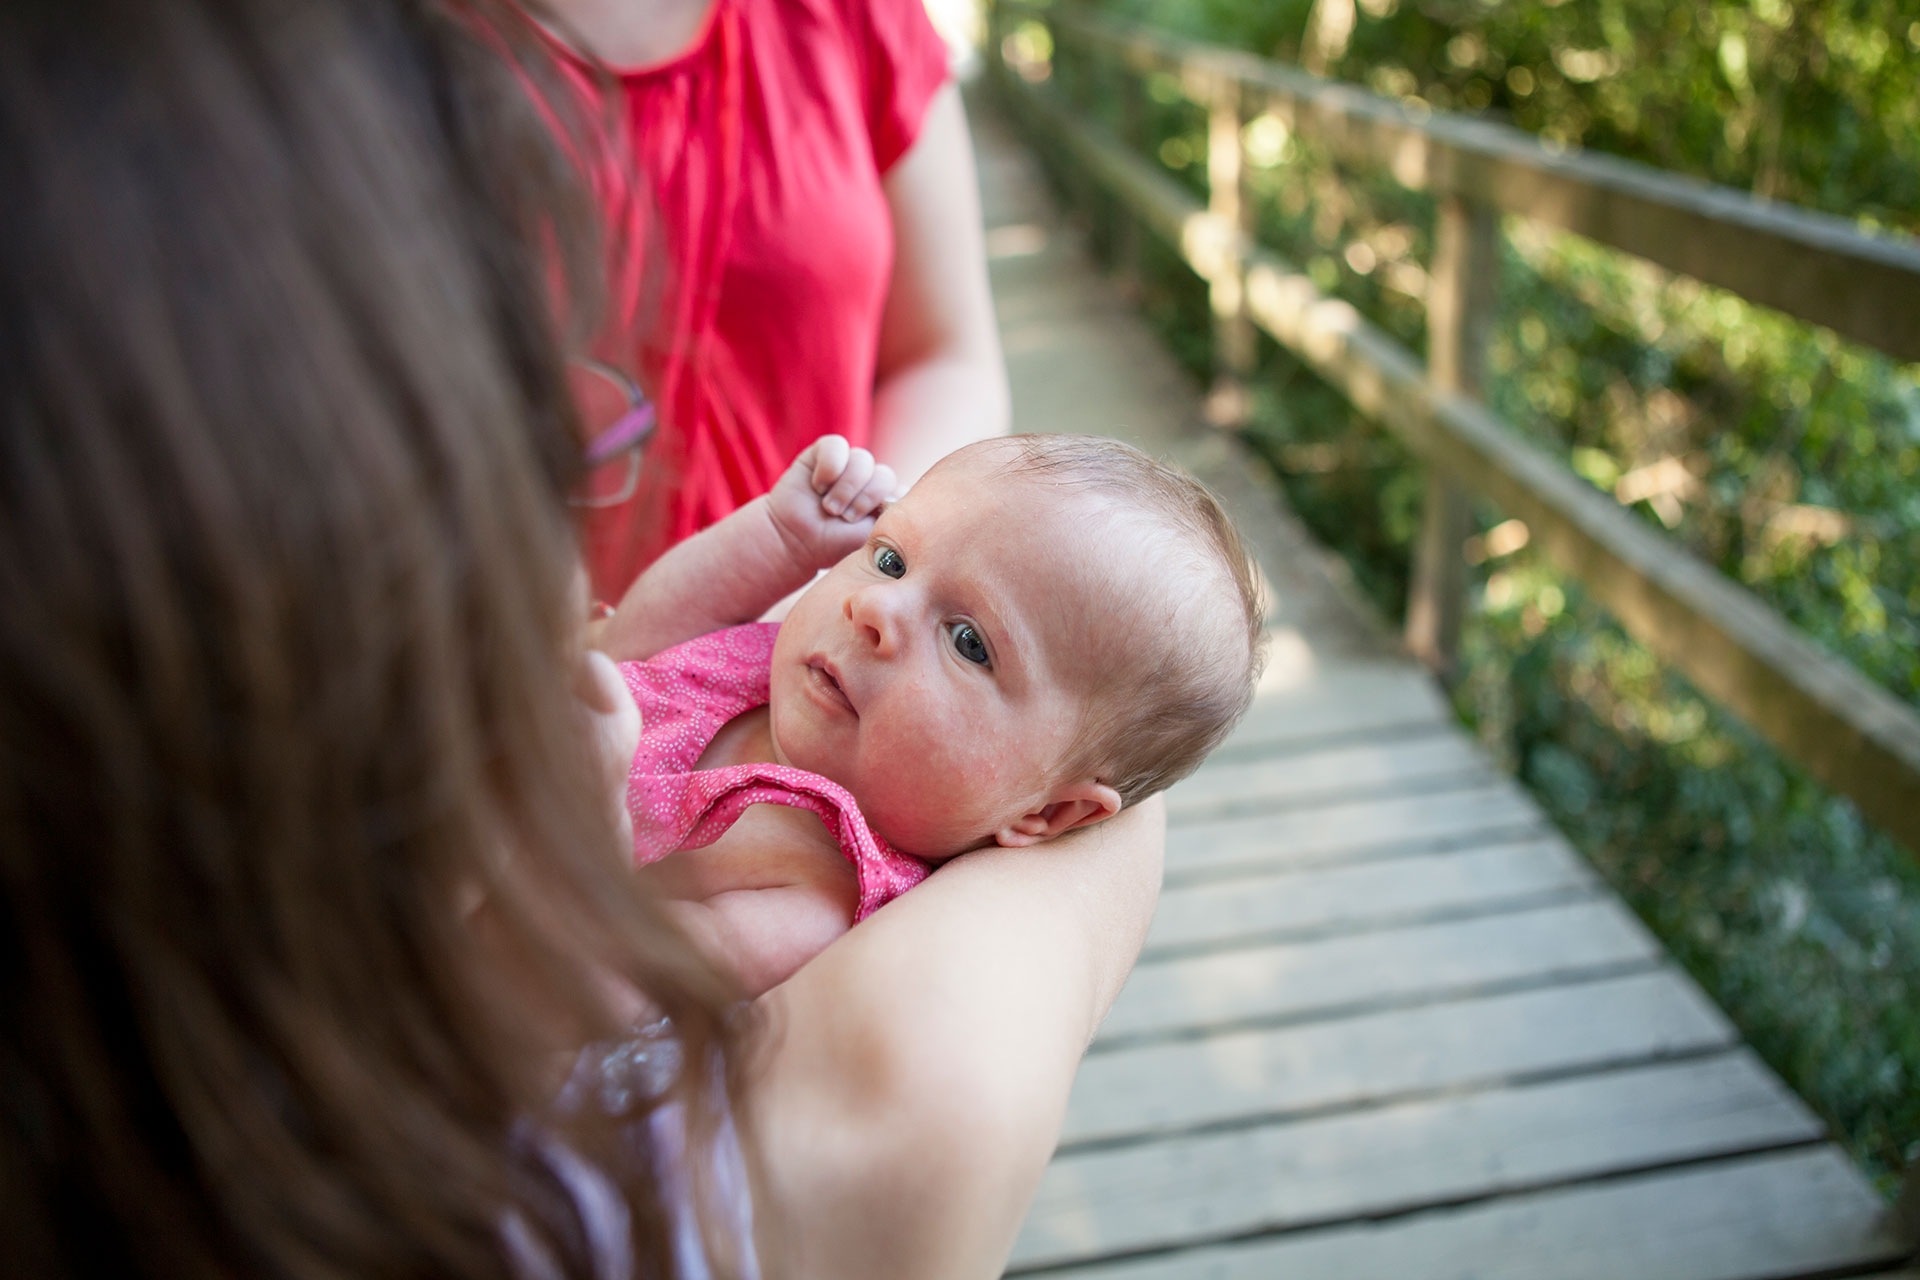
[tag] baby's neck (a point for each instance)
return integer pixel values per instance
(745, 739)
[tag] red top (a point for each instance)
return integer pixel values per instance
(759, 152)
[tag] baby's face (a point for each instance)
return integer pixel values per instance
(942, 673)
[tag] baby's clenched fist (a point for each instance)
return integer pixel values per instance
(825, 503)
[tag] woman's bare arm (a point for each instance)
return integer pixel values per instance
(915, 1073)
(941, 381)
(761, 936)
(764, 898)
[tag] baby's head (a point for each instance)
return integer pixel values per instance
(1044, 630)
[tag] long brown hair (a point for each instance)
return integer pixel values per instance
(285, 651)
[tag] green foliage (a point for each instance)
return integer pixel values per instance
(1779, 453)
(1810, 101)
(1804, 923)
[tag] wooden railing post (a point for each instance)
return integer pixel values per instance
(1067, 80)
(1075, 87)
(1131, 128)
(1466, 262)
(992, 34)
(1904, 1217)
(995, 54)
(1234, 349)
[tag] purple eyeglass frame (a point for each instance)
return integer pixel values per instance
(628, 434)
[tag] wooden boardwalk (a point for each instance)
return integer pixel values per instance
(1388, 1023)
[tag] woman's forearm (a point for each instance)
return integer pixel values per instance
(915, 1074)
(941, 382)
(925, 411)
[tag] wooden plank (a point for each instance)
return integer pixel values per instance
(1352, 1062)
(1795, 1213)
(1351, 830)
(1396, 1159)
(1338, 701)
(1813, 265)
(1366, 895)
(1850, 733)
(1263, 784)
(1356, 973)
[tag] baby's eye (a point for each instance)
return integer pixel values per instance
(969, 643)
(888, 561)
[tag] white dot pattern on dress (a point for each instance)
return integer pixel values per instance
(686, 695)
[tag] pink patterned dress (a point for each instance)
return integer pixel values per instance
(685, 695)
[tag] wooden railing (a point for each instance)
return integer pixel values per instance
(1817, 709)
(1853, 735)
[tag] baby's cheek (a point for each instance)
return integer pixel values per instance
(899, 819)
(934, 791)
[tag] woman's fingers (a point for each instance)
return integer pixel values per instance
(604, 691)
(615, 719)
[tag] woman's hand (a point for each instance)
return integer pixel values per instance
(614, 721)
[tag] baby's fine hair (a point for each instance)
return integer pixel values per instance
(1194, 680)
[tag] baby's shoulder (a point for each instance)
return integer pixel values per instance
(690, 694)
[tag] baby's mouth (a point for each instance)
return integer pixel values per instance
(827, 681)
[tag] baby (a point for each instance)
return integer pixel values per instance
(1044, 630)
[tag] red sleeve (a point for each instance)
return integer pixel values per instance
(905, 63)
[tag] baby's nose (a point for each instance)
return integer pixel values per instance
(873, 611)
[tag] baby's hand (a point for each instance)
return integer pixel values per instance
(825, 504)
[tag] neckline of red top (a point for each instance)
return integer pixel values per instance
(673, 61)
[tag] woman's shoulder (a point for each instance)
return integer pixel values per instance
(859, 18)
(901, 61)
(886, 37)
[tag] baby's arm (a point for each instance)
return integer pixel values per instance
(820, 509)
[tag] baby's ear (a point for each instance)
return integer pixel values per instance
(1080, 804)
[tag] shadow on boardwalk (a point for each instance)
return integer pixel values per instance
(1387, 1022)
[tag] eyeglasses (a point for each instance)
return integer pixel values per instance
(621, 419)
